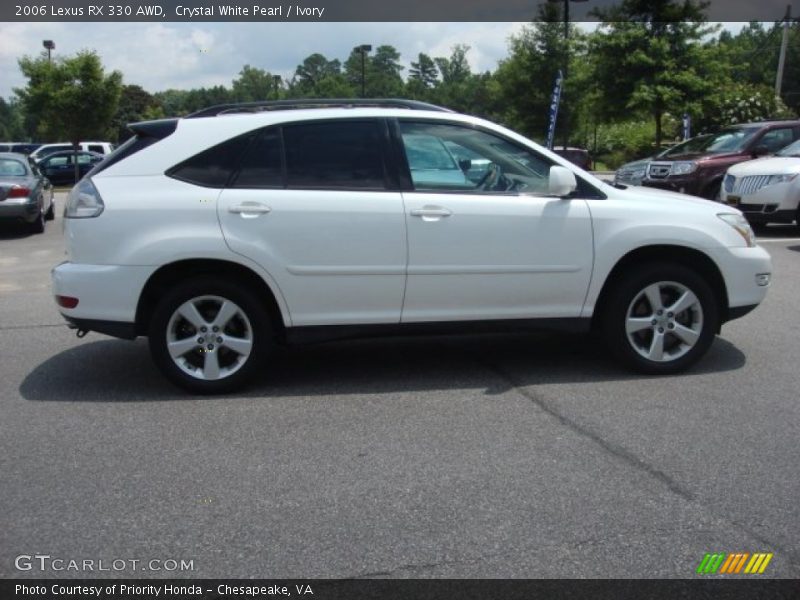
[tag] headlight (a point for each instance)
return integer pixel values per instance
(683, 167)
(84, 201)
(773, 179)
(740, 224)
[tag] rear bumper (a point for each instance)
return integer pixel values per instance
(105, 293)
(116, 329)
(27, 211)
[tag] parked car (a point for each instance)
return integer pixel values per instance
(700, 171)
(632, 173)
(577, 156)
(47, 149)
(18, 147)
(766, 190)
(59, 167)
(26, 196)
(239, 227)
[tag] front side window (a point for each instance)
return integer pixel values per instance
(444, 157)
(776, 139)
(335, 154)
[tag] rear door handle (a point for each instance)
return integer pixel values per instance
(249, 209)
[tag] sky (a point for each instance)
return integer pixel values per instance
(160, 56)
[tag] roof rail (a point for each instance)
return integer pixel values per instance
(267, 105)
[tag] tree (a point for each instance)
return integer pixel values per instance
(71, 98)
(381, 72)
(454, 69)
(527, 76)
(424, 71)
(649, 53)
(12, 126)
(254, 85)
(135, 104)
(318, 77)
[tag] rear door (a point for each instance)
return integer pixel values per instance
(312, 204)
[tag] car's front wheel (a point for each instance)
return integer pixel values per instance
(209, 335)
(660, 318)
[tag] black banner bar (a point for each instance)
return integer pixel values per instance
(387, 589)
(348, 10)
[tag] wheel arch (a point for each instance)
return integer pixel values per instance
(665, 253)
(172, 273)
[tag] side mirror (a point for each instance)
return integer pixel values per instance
(760, 151)
(562, 182)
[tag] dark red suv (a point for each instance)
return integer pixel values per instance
(700, 172)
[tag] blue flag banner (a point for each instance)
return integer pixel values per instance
(554, 102)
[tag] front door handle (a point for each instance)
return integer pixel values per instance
(249, 209)
(431, 212)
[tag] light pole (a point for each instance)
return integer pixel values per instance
(363, 49)
(50, 45)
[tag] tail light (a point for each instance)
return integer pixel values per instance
(84, 201)
(18, 191)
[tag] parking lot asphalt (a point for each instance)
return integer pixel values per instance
(521, 456)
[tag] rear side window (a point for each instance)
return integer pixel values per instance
(96, 148)
(340, 154)
(262, 165)
(212, 167)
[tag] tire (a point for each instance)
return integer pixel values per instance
(37, 226)
(210, 367)
(51, 212)
(669, 342)
(712, 192)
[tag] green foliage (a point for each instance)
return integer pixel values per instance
(618, 143)
(135, 104)
(58, 92)
(741, 103)
(649, 54)
(12, 122)
(254, 85)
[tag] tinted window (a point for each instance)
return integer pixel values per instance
(457, 158)
(96, 148)
(261, 163)
(342, 154)
(212, 167)
(776, 139)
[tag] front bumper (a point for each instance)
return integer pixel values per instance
(741, 268)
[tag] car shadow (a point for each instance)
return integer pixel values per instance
(119, 371)
(14, 231)
(777, 230)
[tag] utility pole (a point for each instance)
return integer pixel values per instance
(782, 59)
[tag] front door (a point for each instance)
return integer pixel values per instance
(484, 239)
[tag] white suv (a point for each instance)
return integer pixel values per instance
(221, 234)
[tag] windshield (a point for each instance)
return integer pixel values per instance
(688, 147)
(728, 140)
(790, 150)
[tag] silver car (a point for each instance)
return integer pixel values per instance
(26, 196)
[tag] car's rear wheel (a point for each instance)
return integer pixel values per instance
(51, 212)
(208, 335)
(37, 226)
(660, 318)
